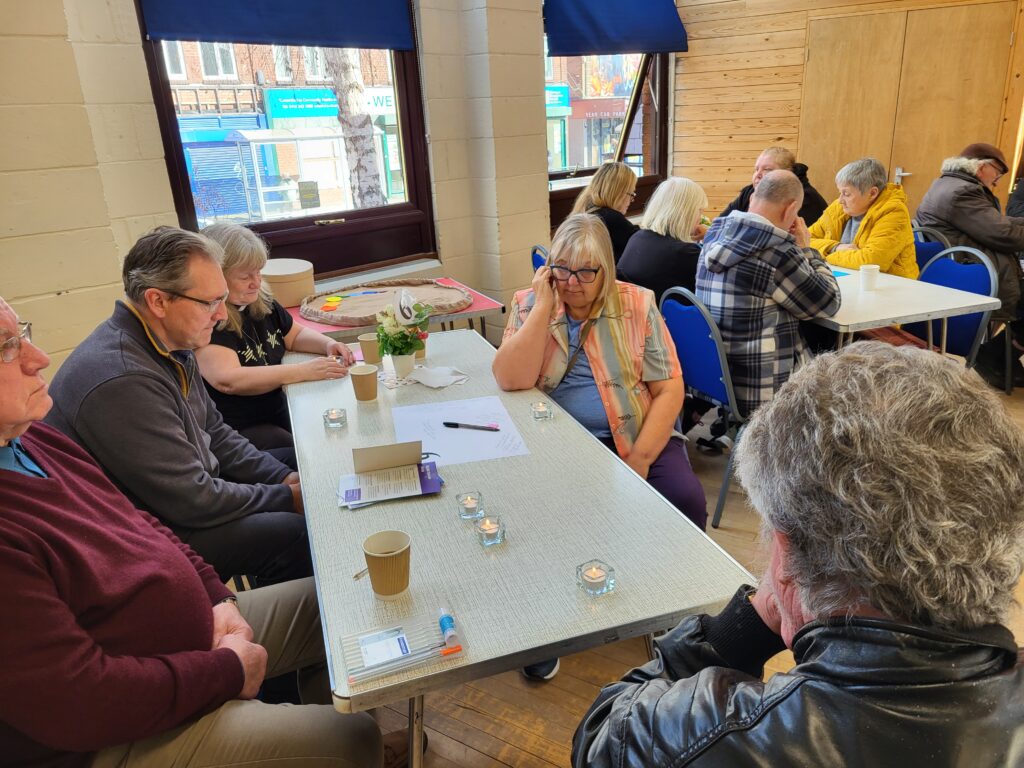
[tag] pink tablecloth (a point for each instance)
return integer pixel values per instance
(481, 303)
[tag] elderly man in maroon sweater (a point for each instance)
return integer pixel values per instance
(119, 645)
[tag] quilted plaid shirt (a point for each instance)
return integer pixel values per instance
(628, 346)
(758, 284)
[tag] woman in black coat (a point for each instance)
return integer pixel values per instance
(608, 196)
(663, 253)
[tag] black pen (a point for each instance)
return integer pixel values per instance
(484, 427)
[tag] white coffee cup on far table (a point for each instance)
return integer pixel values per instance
(869, 277)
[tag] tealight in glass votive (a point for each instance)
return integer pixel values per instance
(491, 530)
(542, 411)
(470, 505)
(595, 577)
(335, 418)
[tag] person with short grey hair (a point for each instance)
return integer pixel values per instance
(132, 396)
(890, 482)
(868, 224)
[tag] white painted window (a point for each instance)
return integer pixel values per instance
(174, 60)
(316, 65)
(218, 61)
(283, 64)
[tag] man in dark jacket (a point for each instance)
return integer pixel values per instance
(887, 578)
(775, 159)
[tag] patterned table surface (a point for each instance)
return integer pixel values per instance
(568, 501)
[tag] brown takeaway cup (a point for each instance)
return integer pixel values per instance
(364, 381)
(371, 349)
(387, 556)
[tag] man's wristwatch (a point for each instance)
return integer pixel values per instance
(229, 599)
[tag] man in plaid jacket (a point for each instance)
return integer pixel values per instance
(759, 277)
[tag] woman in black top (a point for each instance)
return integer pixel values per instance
(242, 363)
(608, 196)
(663, 253)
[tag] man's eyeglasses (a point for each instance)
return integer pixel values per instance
(585, 275)
(996, 167)
(211, 306)
(10, 350)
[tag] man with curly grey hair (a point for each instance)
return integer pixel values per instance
(891, 486)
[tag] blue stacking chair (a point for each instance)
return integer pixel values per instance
(705, 370)
(539, 256)
(964, 333)
(928, 243)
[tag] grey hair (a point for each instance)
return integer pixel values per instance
(863, 174)
(779, 188)
(898, 478)
(160, 259)
(674, 208)
(243, 250)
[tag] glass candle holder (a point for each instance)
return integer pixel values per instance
(542, 411)
(470, 505)
(595, 577)
(335, 418)
(491, 530)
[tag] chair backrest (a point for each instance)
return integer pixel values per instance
(699, 347)
(964, 332)
(539, 256)
(925, 251)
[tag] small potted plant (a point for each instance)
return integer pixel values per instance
(402, 341)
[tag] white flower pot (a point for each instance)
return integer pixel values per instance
(403, 365)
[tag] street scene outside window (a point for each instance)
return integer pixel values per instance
(274, 132)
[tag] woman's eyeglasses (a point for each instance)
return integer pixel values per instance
(585, 275)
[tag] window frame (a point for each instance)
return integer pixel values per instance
(560, 201)
(324, 76)
(220, 76)
(283, 53)
(183, 75)
(361, 239)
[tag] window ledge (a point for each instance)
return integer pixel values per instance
(427, 269)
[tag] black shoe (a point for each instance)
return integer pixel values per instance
(544, 670)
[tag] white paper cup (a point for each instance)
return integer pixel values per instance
(869, 277)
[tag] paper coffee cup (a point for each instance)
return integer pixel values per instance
(364, 381)
(387, 556)
(371, 348)
(869, 277)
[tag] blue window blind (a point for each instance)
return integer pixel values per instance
(589, 27)
(334, 23)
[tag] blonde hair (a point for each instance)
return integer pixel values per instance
(783, 157)
(243, 250)
(674, 208)
(606, 188)
(583, 239)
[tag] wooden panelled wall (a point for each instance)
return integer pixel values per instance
(740, 86)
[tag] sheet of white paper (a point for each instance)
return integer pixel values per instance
(460, 446)
(394, 483)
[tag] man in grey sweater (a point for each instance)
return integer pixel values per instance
(131, 395)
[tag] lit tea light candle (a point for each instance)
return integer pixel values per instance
(335, 418)
(595, 578)
(470, 505)
(541, 411)
(491, 531)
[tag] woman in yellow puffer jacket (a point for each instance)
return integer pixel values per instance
(868, 224)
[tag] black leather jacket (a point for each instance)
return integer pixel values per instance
(866, 692)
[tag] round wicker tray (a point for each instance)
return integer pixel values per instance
(363, 309)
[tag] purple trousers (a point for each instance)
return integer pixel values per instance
(672, 476)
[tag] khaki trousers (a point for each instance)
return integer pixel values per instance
(286, 621)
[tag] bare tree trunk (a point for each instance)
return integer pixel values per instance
(357, 127)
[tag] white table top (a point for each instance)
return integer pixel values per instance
(568, 501)
(899, 300)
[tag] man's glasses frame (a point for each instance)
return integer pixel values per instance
(584, 275)
(10, 349)
(211, 305)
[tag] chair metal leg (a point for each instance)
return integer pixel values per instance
(1008, 366)
(649, 646)
(416, 732)
(726, 479)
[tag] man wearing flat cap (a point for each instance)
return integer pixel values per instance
(961, 204)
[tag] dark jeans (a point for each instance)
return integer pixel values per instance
(672, 476)
(272, 546)
(268, 436)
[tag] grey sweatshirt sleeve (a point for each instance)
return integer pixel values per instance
(151, 457)
(972, 214)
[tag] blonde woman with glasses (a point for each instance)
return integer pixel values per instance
(242, 363)
(664, 253)
(608, 196)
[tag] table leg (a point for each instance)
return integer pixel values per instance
(930, 345)
(649, 646)
(483, 327)
(469, 322)
(944, 328)
(416, 732)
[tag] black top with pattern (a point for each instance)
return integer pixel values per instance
(261, 343)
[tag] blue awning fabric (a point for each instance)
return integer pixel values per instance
(334, 23)
(588, 27)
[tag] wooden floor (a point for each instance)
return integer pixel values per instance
(506, 720)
